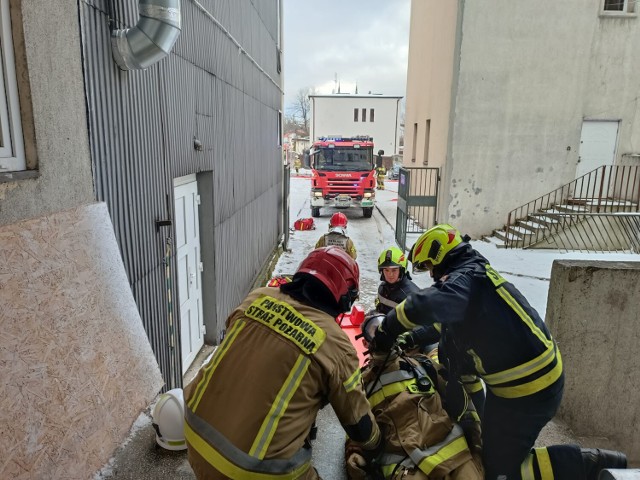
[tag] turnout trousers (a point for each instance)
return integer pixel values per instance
(510, 428)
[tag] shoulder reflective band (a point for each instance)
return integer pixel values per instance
(494, 276)
(285, 320)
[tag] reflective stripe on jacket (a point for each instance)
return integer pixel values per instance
(250, 409)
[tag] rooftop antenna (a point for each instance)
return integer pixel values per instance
(356, 87)
(338, 87)
(335, 82)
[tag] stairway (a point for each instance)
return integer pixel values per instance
(536, 228)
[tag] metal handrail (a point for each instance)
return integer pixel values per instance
(606, 189)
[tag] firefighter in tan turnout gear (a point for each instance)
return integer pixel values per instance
(431, 428)
(250, 409)
(337, 235)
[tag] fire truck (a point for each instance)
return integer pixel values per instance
(343, 174)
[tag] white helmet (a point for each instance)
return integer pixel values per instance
(168, 420)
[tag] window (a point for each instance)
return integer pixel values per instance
(415, 142)
(355, 114)
(279, 37)
(427, 134)
(371, 115)
(11, 145)
(279, 128)
(622, 7)
(364, 114)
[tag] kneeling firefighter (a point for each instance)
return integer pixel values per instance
(249, 411)
(430, 427)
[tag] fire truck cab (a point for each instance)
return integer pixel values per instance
(343, 174)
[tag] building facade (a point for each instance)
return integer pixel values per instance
(512, 100)
(348, 115)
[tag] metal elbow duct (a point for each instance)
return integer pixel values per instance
(151, 39)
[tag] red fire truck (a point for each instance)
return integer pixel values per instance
(343, 174)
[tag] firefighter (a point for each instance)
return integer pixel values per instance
(250, 409)
(381, 172)
(427, 434)
(395, 282)
(337, 235)
(490, 330)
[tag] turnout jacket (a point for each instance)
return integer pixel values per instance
(488, 327)
(250, 409)
(338, 240)
(421, 439)
(391, 294)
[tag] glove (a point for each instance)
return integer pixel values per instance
(383, 341)
(356, 467)
(406, 341)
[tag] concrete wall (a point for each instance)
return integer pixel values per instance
(593, 313)
(430, 71)
(515, 80)
(49, 71)
(333, 115)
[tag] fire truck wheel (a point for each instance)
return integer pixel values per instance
(315, 211)
(367, 212)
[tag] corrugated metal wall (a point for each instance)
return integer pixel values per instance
(142, 128)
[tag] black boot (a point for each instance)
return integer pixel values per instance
(596, 459)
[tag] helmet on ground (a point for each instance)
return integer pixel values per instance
(337, 271)
(433, 246)
(392, 257)
(338, 220)
(168, 420)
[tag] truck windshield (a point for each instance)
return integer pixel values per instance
(343, 159)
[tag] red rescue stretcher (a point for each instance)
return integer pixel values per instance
(350, 324)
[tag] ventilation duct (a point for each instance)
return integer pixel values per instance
(151, 39)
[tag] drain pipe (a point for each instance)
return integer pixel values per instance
(151, 39)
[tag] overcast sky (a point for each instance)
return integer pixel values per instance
(362, 41)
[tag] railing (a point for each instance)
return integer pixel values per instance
(610, 189)
(595, 232)
(417, 201)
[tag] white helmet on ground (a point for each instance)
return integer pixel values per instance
(168, 420)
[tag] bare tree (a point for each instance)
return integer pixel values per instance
(301, 108)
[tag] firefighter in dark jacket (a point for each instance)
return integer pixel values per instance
(396, 282)
(249, 411)
(490, 330)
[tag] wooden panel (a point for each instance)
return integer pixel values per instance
(76, 367)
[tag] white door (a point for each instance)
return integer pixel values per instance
(187, 244)
(597, 145)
